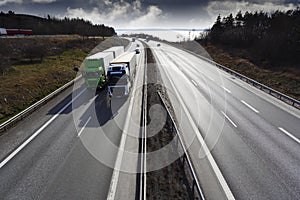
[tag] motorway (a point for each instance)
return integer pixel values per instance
(75, 146)
(244, 143)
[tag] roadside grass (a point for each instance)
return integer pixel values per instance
(285, 80)
(23, 85)
(24, 82)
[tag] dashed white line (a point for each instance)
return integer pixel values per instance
(211, 79)
(289, 134)
(194, 83)
(118, 162)
(249, 106)
(226, 90)
(229, 119)
(81, 130)
(24, 144)
(195, 128)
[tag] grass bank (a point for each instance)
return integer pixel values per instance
(285, 79)
(23, 83)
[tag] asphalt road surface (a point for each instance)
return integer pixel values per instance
(63, 161)
(244, 144)
(252, 140)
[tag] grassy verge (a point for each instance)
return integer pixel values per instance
(285, 79)
(24, 83)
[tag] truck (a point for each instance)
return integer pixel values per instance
(95, 69)
(120, 74)
(10, 32)
(116, 50)
(3, 31)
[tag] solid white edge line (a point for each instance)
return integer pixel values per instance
(115, 176)
(229, 119)
(194, 83)
(289, 134)
(78, 135)
(145, 162)
(226, 90)
(24, 144)
(249, 106)
(145, 147)
(212, 161)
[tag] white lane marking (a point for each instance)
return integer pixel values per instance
(115, 176)
(24, 144)
(211, 79)
(226, 90)
(194, 83)
(194, 127)
(289, 134)
(249, 106)
(81, 130)
(229, 119)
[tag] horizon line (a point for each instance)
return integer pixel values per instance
(162, 29)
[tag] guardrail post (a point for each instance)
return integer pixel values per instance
(183, 161)
(177, 143)
(193, 188)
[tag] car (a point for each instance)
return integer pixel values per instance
(158, 45)
(137, 45)
(137, 51)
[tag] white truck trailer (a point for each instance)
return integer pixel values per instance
(120, 74)
(116, 50)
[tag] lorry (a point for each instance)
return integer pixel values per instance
(120, 74)
(95, 69)
(10, 32)
(3, 31)
(116, 50)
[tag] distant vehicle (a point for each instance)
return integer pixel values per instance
(147, 39)
(4, 31)
(133, 39)
(158, 45)
(137, 51)
(137, 45)
(120, 75)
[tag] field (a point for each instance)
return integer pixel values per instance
(25, 80)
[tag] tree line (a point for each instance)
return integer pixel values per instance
(54, 26)
(271, 38)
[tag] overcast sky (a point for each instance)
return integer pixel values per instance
(144, 13)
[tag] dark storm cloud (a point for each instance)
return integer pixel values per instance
(163, 13)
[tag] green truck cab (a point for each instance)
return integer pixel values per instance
(95, 69)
